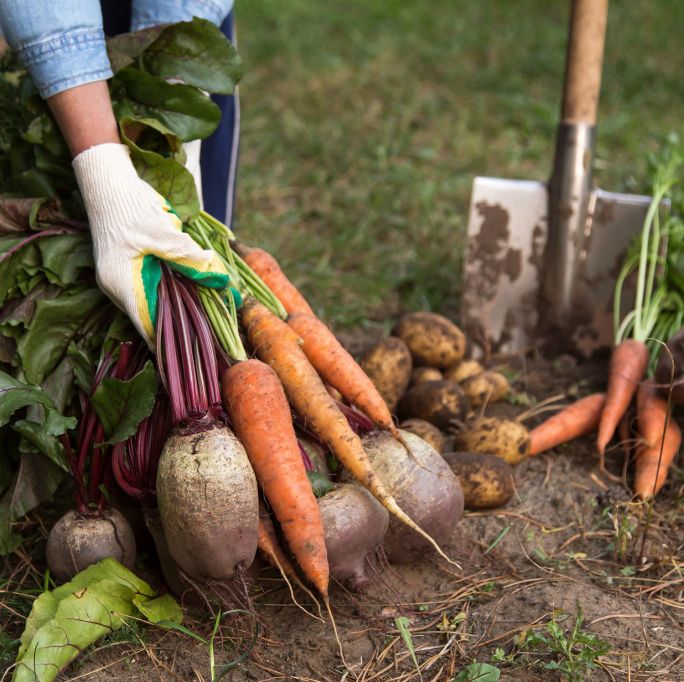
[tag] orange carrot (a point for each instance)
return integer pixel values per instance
(627, 368)
(578, 419)
(271, 338)
(660, 438)
(261, 417)
(266, 266)
(268, 545)
(332, 361)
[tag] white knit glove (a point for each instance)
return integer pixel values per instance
(133, 228)
(192, 163)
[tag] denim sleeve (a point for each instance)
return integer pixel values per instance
(148, 13)
(61, 42)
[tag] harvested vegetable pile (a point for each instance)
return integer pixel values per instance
(250, 430)
(226, 437)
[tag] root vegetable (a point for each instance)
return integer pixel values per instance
(665, 373)
(261, 417)
(432, 339)
(317, 455)
(627, 368)
(486, 480)
(77, 541)
(173, 576)
(578, 419)
(439, 402)
(463, 370)
(208, 503)
(268, 269)
(504, 438)
(486, 387)
(428, 432)
(339, 369)
(658, 446)
(388, 365)
(420, 374)
(423, 483)
(355, 525)
(277, 344)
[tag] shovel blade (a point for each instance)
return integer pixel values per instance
(507, 228)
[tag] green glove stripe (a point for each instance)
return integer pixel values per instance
(214, 280)
(151, 276)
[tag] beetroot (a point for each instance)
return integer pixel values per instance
(78, 540)
(354, 524)
(424, 487)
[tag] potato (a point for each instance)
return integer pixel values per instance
(420, 374)
(504, 438)
(463, 370)
(438, 402)
(486, 387)
(432, 339)
(429, 433)
(486, 480)
(389, 365)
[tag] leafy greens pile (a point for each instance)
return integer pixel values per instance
(55, 324)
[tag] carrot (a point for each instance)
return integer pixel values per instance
(578, 419)
(627, 368)
(660, 438)
(266, 266)
(269, 547)
(332, 361)
(272, 339)
(261, 417)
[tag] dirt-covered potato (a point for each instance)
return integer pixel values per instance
(486, 387)
(432, 339)
(463, 370)
(486, 480)
(389, 365)
(438, 402)
(428, 432)
(421, 374)
(504, 438)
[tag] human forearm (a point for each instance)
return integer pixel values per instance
(148, 13)
(84, 115)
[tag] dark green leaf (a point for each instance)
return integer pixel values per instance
(122, 405)
(17, 270)
(183, 109)
(15, 214)
(42, 441)
(197, 53)
(152, 136)
(172, 180)
(15, 395)
(124, 49)
(55, 324)
(35, 481)
(66, 256)
(320, 483)
(83, 367)
(478, 672)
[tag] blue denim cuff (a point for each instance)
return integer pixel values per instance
(146, 14)
(67, 60)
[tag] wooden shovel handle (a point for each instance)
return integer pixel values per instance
(584, 61)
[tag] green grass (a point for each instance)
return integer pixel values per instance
(365, 121)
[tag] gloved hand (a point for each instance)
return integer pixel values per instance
(133, 228)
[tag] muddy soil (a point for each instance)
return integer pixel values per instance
(569, 542)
